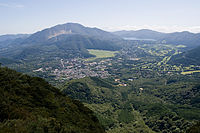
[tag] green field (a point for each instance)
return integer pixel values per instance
(101, 54)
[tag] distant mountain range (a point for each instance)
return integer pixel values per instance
(177, 38)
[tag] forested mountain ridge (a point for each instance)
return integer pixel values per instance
(30, 104)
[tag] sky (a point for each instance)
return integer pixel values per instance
(29, 16)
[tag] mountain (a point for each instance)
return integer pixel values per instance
(12, 36)
(67, 29)
(186, 38)
(30, 104)
(67, 40)
(187, 58)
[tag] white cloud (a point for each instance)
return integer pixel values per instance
(11, 5)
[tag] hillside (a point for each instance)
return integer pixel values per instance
(30, 104)
(187, 58)
(129, 109)
(79, 41)
(105, 100)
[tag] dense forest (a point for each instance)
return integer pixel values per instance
(30, 104)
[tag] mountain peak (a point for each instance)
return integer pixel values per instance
(70, 28)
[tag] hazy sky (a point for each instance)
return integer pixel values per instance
(28, 16)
